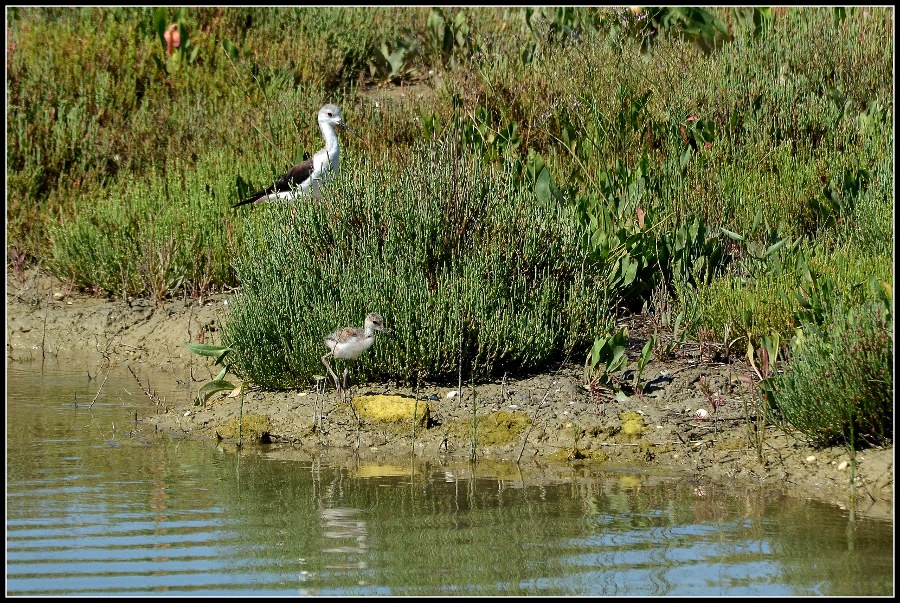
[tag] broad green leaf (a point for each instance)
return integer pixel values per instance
(629, 269)
(205, 349)
(647, 351)
(213, 387)
(775, 247)
(542, 186)
(159, 24)
(619, 359)
(230, 49)
(733, 235)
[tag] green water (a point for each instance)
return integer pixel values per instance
(96, 504)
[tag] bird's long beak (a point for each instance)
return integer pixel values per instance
(345, 126)
(389, 332)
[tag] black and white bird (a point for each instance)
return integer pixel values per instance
(307, 176)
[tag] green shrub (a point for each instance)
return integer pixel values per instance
(465, 266)
(838, 388)
(743, 306)
(168, 233)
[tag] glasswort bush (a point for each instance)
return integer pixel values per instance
(839, 387)
(465, 266)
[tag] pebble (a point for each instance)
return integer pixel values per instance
(702, 413)
(843, 466)
(452, 394)
(811, 458)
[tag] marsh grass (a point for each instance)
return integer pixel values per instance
(163, 234)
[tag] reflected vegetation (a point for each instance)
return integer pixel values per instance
(96, 504)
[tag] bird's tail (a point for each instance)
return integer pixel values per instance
(251, 199)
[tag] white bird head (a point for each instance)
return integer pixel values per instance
(331, 115)
(375, 322)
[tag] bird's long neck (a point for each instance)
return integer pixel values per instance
(331, 144)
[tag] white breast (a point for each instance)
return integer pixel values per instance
(352, 348)
(322, 169)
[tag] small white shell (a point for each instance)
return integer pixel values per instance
(702, 413)
(452, 394)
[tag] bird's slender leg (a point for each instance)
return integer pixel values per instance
(337, 384)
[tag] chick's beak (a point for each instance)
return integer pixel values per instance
(346, 127)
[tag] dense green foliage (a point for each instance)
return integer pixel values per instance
(460, 260)
(724, 162)
(839, 387)
(165, 233)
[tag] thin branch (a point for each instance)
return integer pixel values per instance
(101, 387)
(544, 399)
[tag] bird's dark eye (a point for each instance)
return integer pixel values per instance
(330, 114)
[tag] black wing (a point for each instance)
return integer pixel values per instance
(292, 178)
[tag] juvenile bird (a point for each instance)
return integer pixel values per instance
(349, 343)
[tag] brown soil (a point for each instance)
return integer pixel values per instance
(549, 418)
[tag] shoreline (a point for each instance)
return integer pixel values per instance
(547, 418)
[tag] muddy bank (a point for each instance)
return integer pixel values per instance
(547, 418)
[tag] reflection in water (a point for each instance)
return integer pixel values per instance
(94, 506)
(345, 525)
